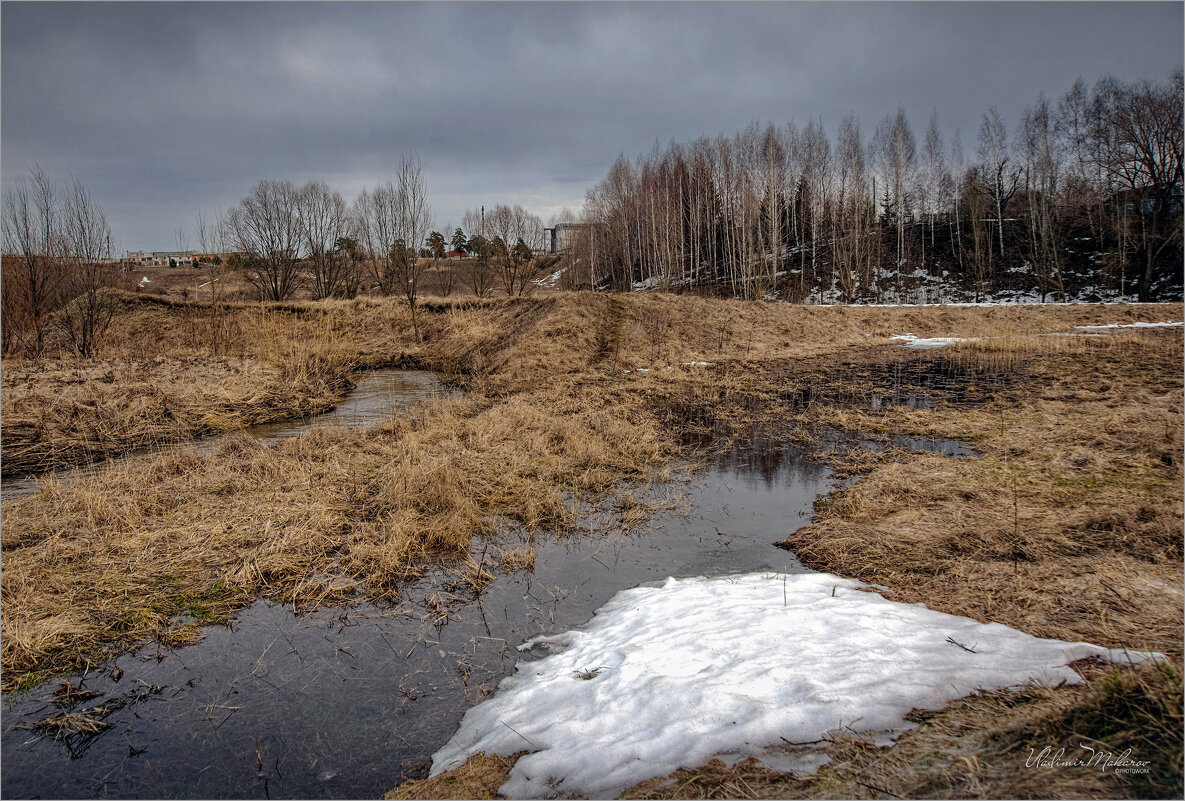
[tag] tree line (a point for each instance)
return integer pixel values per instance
(286, 240)
(1082, 198)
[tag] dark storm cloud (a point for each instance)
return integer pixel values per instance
(165, 108)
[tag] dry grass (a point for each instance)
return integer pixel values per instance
(58, 415)
(105, 562)
(479, 777)
(1070, 524)
(157, 386)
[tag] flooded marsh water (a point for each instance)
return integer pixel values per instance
(344, 703)
(914, 381)
(349, 702)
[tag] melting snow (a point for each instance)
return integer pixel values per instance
(919, 343)
(1112, 326)
(669, 676)
(551, 280)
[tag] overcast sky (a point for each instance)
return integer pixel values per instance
(163, 109)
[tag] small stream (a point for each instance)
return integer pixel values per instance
(377, 395)
(349, 702)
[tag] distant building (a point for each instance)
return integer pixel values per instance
(563, 236)
(161, 258)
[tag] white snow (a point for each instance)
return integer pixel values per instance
(918, 343)
(1113, 326)
(551, 280)
(699, 364)
(646, 283)
(915, 342)
(669, 676)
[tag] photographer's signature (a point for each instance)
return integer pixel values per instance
(1089, 757)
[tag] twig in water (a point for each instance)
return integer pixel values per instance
(808, 742)
(210, 714)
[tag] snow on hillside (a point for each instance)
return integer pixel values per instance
(669, 676)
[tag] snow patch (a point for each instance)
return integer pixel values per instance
(1114, 326)
(919, 343)
(672, 675)
(550, 280)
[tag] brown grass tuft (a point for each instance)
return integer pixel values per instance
(479, 777)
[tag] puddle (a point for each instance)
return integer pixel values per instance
(915, 383)
(939, 445)
(377, 395)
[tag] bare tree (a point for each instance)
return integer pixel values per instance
(414, 221)
(89, 274)
(735, 211)
(266, 226)
(323, 221)
(374, 215)
(1142, 152)
(391, 220)
(33, 284)
(211, 233)
(1040, 152)
(816, 179)
(933, 176)
(854, 215)
(508, 226)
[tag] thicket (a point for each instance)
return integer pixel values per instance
(1083, 199)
